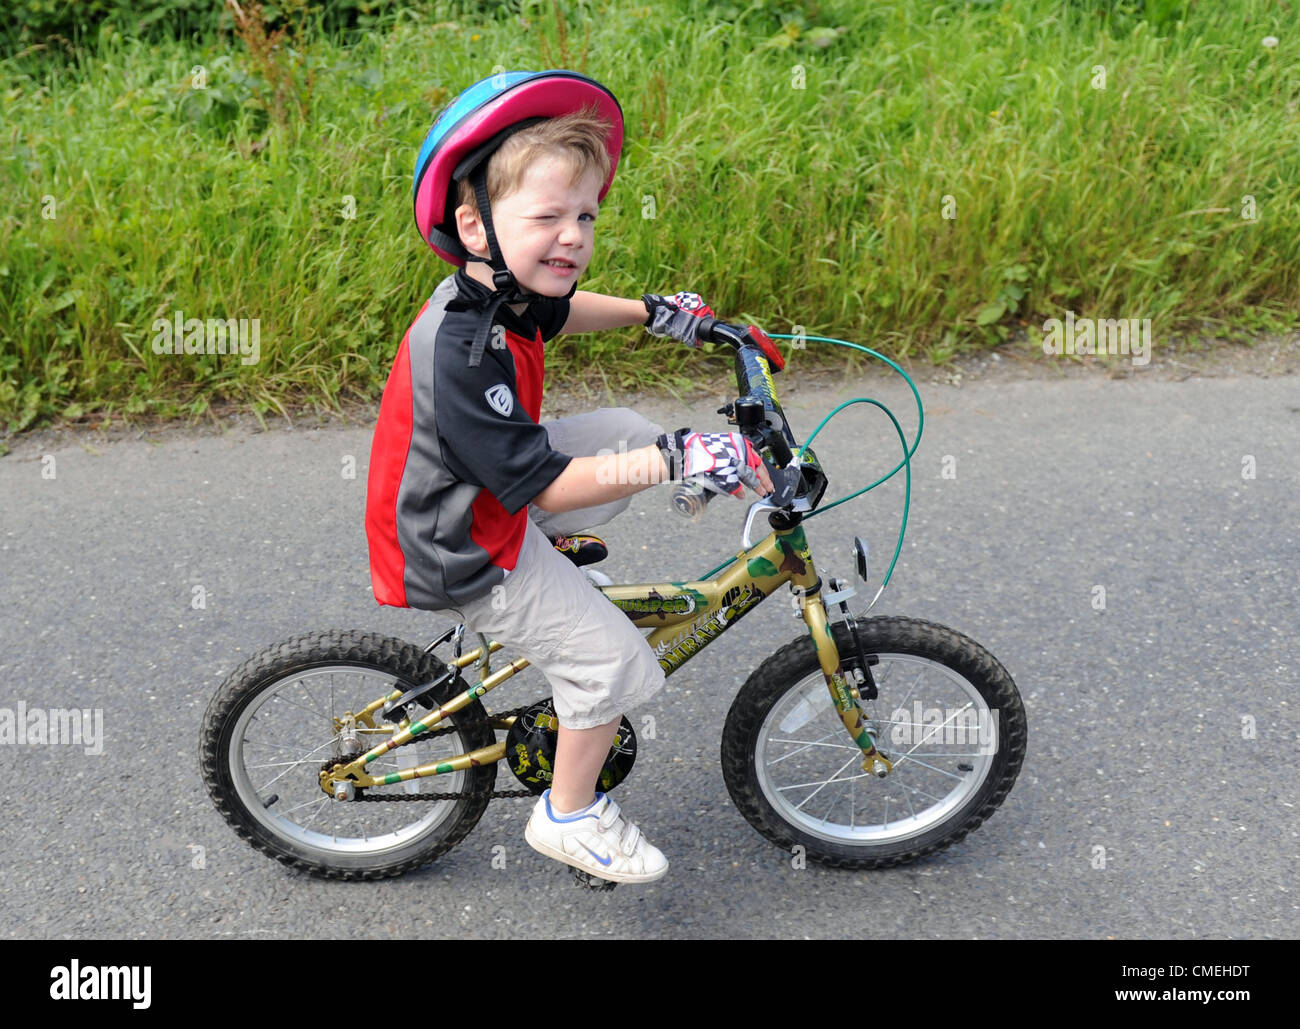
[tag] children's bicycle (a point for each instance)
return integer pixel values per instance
(867, 742)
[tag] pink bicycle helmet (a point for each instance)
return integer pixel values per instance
(475, 124)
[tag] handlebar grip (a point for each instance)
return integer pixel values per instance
(711, 330)
(690, 499)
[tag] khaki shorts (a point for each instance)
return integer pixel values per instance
(597, 662)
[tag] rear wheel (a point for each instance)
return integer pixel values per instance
(281, 717)
(947, 715)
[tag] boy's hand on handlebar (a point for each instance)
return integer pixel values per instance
(703, 327)
(725, 461)
(677, 316)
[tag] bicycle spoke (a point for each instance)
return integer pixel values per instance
(325, 710)
(825, 784)
(938, 727)
(826, 818)
(811, 743)
(306, 803)
(917, 789)
(293, 703)
(316, 813)
(275, 764)
(914, 761)
(901, 782)
(903, 703)
(799, 769)
(273, 746)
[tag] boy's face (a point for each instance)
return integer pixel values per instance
(546, 229)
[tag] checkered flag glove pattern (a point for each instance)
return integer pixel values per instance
(677, 316)
(692, 302)
(723, 461)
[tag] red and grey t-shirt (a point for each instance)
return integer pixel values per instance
(458, 453)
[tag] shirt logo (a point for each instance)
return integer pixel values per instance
(500, 399)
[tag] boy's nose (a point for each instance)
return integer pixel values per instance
(571, 232)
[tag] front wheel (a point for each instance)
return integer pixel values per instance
(285, 714)
(947, 716)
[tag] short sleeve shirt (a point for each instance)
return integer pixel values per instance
(458, 452)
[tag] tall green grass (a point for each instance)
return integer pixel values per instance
(797, 175)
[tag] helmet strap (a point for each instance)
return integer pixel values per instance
(502, 277)
(507, 289)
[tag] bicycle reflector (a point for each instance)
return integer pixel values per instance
(764, 343)
(860, 550)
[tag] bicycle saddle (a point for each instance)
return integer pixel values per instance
(581, 550)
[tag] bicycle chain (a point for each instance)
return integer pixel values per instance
(496, 794)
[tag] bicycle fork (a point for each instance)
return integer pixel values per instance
(843, 696)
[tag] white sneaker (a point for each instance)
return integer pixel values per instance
(598, 840)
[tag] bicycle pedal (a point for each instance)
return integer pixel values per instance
(591, 882)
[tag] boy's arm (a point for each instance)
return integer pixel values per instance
(592, 312)
(588, 481)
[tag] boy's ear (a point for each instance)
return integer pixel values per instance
(469, 226)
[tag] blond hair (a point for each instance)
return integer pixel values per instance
(577, 138)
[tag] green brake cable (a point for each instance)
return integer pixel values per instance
(905, 464)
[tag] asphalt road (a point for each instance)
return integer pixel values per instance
(1027, 495)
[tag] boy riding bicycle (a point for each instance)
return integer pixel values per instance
(468, 495)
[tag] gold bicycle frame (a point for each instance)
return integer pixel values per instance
(685, 618)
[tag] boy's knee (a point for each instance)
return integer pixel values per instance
(637, 430)
(651, 671)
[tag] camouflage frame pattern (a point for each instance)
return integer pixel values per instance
(686, 617)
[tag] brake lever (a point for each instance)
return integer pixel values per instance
(785, 482)
(755, 509)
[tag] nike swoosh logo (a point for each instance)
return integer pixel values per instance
(603, 861)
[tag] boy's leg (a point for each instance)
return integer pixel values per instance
(579, 755)
(597, 662)
(599, 665)
(610, 429)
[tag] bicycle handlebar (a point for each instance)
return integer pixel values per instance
(757, 411)
(711, 330)
(756, 360)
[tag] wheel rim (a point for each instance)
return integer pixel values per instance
(811, 772)
(281, 740)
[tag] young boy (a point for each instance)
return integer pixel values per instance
(467, 490)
